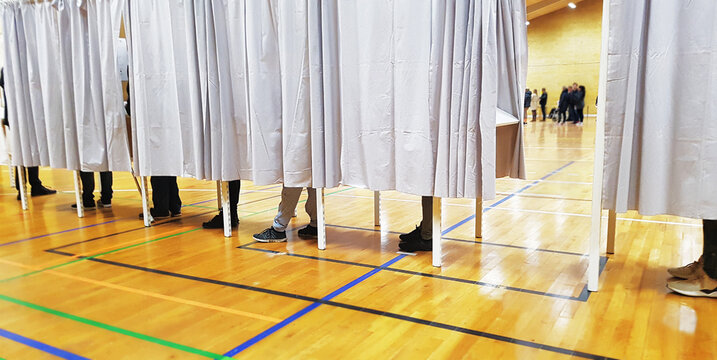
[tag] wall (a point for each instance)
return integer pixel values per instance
(564, 47)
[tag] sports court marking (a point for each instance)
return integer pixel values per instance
(41, 346)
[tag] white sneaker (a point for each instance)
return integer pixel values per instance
(701, 286)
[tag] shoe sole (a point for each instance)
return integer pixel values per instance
(307, 236)
(269, 240)
(683, 277)
(694, 293)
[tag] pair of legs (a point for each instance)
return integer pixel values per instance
(542, 108)
(580, 114)
(700, 277)
(535, 114)
(165, 196)
(525, 115)
(561, 115)
(287, 208)
(573, 114)
(88, 189)
(218, 221)
(32, 176)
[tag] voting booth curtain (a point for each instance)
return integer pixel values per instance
(383, 95)
(660, 131)
(64, 95)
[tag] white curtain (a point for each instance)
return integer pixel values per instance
(63, 88)
(661, 136)
(238, 89)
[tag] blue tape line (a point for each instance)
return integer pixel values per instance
(247, 344)
(40, 346)
(495, 204)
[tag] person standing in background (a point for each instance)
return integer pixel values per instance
(526, 105)
(581, 104)
(543, 102)
(534, 100)
(563, 105)
(573, 99)
(88, 189)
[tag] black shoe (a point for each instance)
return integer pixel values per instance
(175, 213)
(104, 204)
(416, 233)
(270, 235)
(85, 205)
(41, 190)
(218, 222)
(413, 242)
(156, 215)
(309, 232)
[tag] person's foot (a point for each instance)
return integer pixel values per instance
(41, 190)
(308, 232)
(413, 242)
(270, 236)
(217, 222)
(689, 271)
(156, 215)
(104, 204)
(701, 286)
(85, 205)
(175, 213)
(18, 196)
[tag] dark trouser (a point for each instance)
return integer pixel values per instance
(234, 188)
(573, 114)
(165, 195)
(88, 186)
(32, 175)
(580, 114)
(561, 115)
(427, 221)
(709, 253)
(542, 108)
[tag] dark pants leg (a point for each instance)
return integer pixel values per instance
(88, 187)
(573, 114)
(175, 203)
(160, 194)
(709, 228)
(106, 181)
(580, 114)
(32, 175)
(542, 108)
(234, 188)
(561, 115)
(427, 217)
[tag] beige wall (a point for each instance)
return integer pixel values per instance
(564, 47)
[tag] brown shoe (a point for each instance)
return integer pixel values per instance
(689, 271)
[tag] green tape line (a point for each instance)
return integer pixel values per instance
(94, 256)
(115, 329)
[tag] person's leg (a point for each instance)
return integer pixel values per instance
(427, 221)
(542, 109)
(287, 206)
(535, 114)
(33, 177)
(88, 187)
(160, 195)
(234, 190)
(709, 252)
(106, 183)
(310, 206)
(581, 116)
(175, 203)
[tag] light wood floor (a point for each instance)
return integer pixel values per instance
(105, 287)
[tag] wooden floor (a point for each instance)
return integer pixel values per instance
(105, 287)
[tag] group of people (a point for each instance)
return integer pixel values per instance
(570, 105)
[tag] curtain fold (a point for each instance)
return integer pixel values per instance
(66, 109)
(661, 155)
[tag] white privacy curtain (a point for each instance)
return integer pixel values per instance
(660, 131)
(237, 89)
(420, 84)
(63, 88)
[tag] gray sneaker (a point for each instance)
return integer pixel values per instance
(270, 236)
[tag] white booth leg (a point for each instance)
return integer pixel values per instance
(479, 218)
(145, 202)
(437, 250)
(611, 222)
(225, 209)
(78, 194)
(23, 186)
(376, 208)
(321, 221)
